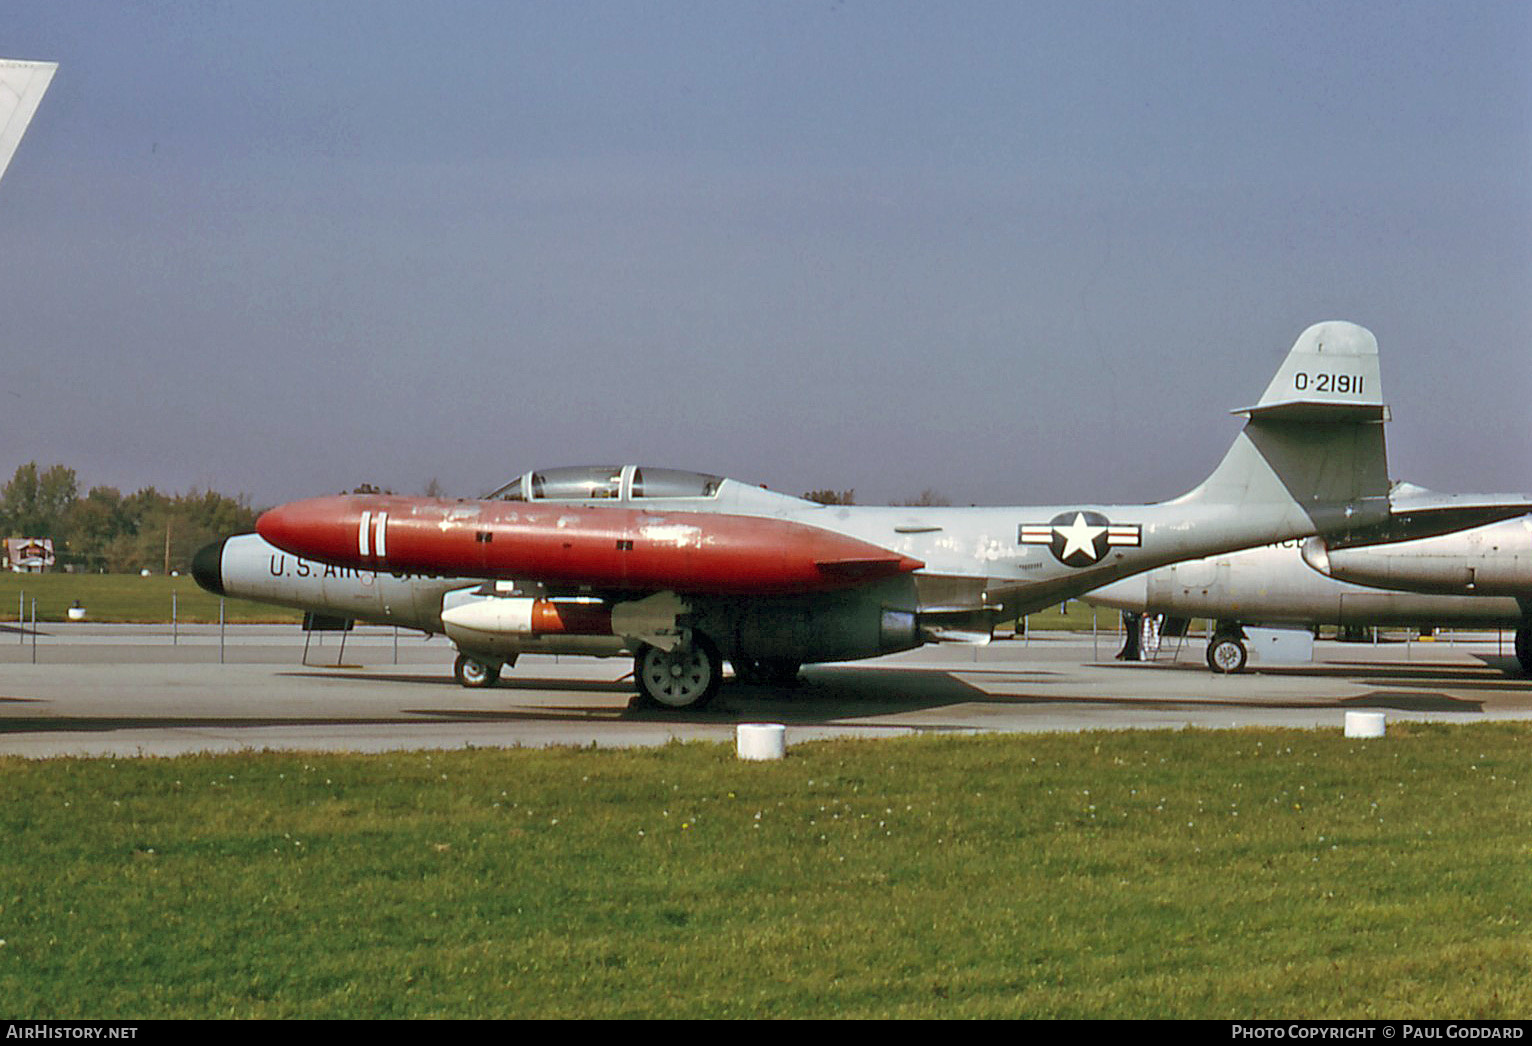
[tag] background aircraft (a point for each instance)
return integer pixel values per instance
(687, 570)
(1274, 586)
(22, 85)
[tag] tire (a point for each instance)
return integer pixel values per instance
(475, 674)
(1524, 648)
(1227, 654)
(685, 676)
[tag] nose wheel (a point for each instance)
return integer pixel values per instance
(685, 676)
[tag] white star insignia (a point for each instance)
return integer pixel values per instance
(1079, 536)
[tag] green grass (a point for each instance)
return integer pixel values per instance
(1189, 874)
(1078, 617)
(126, 597)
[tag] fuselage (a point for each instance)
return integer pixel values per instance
(607, 529)
(1273, 585)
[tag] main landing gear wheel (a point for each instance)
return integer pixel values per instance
(1227, 654)
(685, 676)
(473, 673)
(1524, 648)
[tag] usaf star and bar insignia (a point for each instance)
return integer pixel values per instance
(1079, 539)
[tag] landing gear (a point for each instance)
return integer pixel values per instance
(475, 674)
(1227, 653)
(1524, 648)
(685, 676)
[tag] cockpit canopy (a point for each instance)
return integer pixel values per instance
(601, 482)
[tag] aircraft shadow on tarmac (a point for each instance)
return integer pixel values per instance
(833, 695)
(1492, 676)
(620, 686)
(823, 696)
(1489, 671)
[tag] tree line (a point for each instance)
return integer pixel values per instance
(105, 530)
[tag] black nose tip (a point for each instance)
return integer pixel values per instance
(207, 567)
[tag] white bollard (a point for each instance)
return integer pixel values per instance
(1364, 724)
(761, 740)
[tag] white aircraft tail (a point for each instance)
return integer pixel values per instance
(22, 85)
(1312, 455)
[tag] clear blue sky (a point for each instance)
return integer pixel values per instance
(1015, 252)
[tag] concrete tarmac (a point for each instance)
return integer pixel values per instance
(126, 690)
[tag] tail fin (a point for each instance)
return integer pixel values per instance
(21, 89)
(1331, 374)
(1311, 454)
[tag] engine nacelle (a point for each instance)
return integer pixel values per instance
(879, 619)
(1490, 561)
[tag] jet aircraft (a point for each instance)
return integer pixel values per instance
(1275, 586)
(687, 570)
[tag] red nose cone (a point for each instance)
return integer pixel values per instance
(318, 528)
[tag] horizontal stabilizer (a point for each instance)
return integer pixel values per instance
(1331, 374)
(1416, 512)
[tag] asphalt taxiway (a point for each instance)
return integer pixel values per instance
(82, 689)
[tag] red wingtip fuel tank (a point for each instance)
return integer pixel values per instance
(620, 548)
